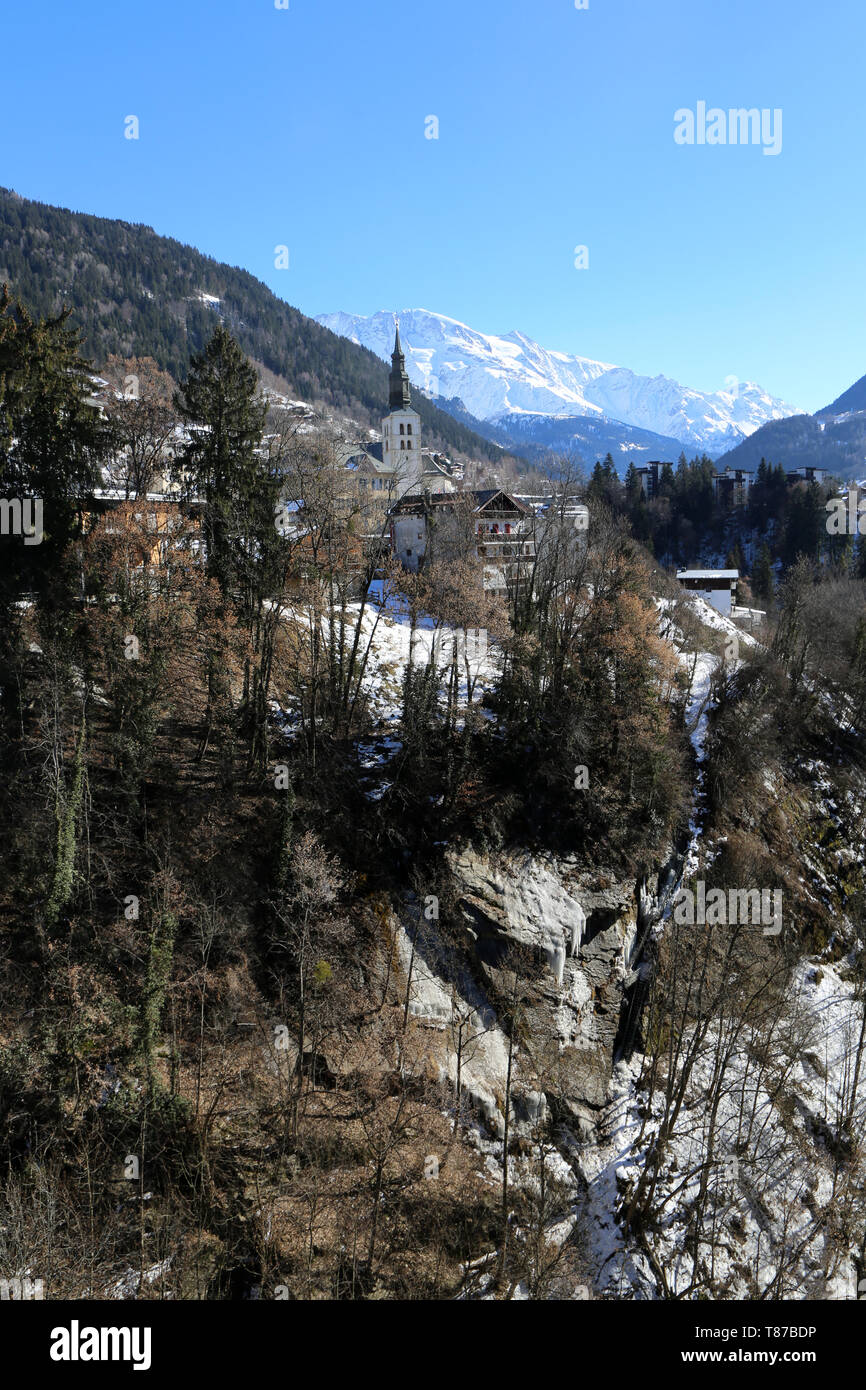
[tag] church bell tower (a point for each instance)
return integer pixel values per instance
(401, 427)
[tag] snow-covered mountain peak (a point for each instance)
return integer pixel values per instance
(498, 375)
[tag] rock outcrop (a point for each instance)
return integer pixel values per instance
(582, 930)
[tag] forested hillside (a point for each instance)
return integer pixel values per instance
(341, 944)
(685, 524)
(806, 441)
(140, 295)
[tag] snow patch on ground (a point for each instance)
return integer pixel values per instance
(775, 1191)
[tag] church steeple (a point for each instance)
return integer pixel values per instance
(398, 381)
(401, 428)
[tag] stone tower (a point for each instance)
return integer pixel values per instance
(401, 427)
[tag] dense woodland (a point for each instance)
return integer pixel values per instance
(209, 1073)
(818, 441)
(783, 519)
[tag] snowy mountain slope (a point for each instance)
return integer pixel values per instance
(589, 437)
(499, 376)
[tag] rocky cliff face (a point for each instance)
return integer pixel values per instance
(582, 930)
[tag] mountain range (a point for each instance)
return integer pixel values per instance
(540, 397)
(134, 292)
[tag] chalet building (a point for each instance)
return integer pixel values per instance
(748, 617)
(96, 398)
(548, 504)
(501, 528)
(731, 488)
(369, 481)
(158, 517)
(718, 587)
(377, 479)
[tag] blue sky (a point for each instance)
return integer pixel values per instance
(306, 127)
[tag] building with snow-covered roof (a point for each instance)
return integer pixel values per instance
(718, 587)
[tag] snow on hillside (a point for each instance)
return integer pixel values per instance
(700, 668)
(776, 1196)
(386, 629)
(775, 1181)
(771, 1193)
(497, 375)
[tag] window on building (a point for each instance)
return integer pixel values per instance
(408, 429)
(402, 429)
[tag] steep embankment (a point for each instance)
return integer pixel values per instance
(694, 1153)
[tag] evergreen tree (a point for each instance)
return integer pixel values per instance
(805, 525)
(736, 560)
(596, 491)
(219, 400)
(633, 488)
(762, 574)
(667, 482)
(604, 485)
(51, 443)
(642, 527)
